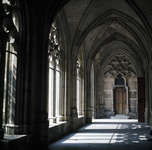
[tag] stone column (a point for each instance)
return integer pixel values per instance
(95, 92)
(92, 90)
(36, 77)
(54, 99)
(89, 112)
(57, 94)
(41, 94)
(74, 114)
(112, 100)
(127, 109)
(150, 88)
(147, 100)
(150, 120)
(67, 109)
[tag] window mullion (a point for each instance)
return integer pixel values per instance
(6, 84)
(54, 114)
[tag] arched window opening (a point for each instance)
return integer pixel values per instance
(119, 80)
(10, 78)
(54, 87)
(11, 27)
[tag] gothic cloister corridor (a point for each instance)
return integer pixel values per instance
(69, 68)
(107, 134)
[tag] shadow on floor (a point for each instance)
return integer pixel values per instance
(105, 134)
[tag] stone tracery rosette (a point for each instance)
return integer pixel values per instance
(120, 65)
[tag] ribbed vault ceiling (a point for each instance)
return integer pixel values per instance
(105, 26)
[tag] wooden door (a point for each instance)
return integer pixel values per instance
(120, 100)
(141, 99)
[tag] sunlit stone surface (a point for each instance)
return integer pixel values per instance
(107, 134)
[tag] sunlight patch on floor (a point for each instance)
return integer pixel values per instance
(102, 126)
(107, 133)
(115, 120)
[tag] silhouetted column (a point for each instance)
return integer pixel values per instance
(89, 112)
(36, 79)
(74, 114)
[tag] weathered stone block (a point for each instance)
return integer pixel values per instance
(133, 103)
(132, 94)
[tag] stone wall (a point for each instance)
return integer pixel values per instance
(108, 83)
(133, 97)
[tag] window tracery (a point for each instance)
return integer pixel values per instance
(119, 80)
(54, 52)
(11, 26)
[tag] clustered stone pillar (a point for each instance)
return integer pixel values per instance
(150, 89)
(112, 109)
(89, 112)
(74, 114)
(127, 109)
(147, 102)
(36, 81)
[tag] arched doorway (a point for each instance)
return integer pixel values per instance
(120, 100)
(120, 96)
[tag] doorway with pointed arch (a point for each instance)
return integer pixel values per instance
(120, 95)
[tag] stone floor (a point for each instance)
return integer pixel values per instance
(107, 134)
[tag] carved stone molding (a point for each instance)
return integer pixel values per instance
(98, 55)
(120, 65)
(78, 65)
